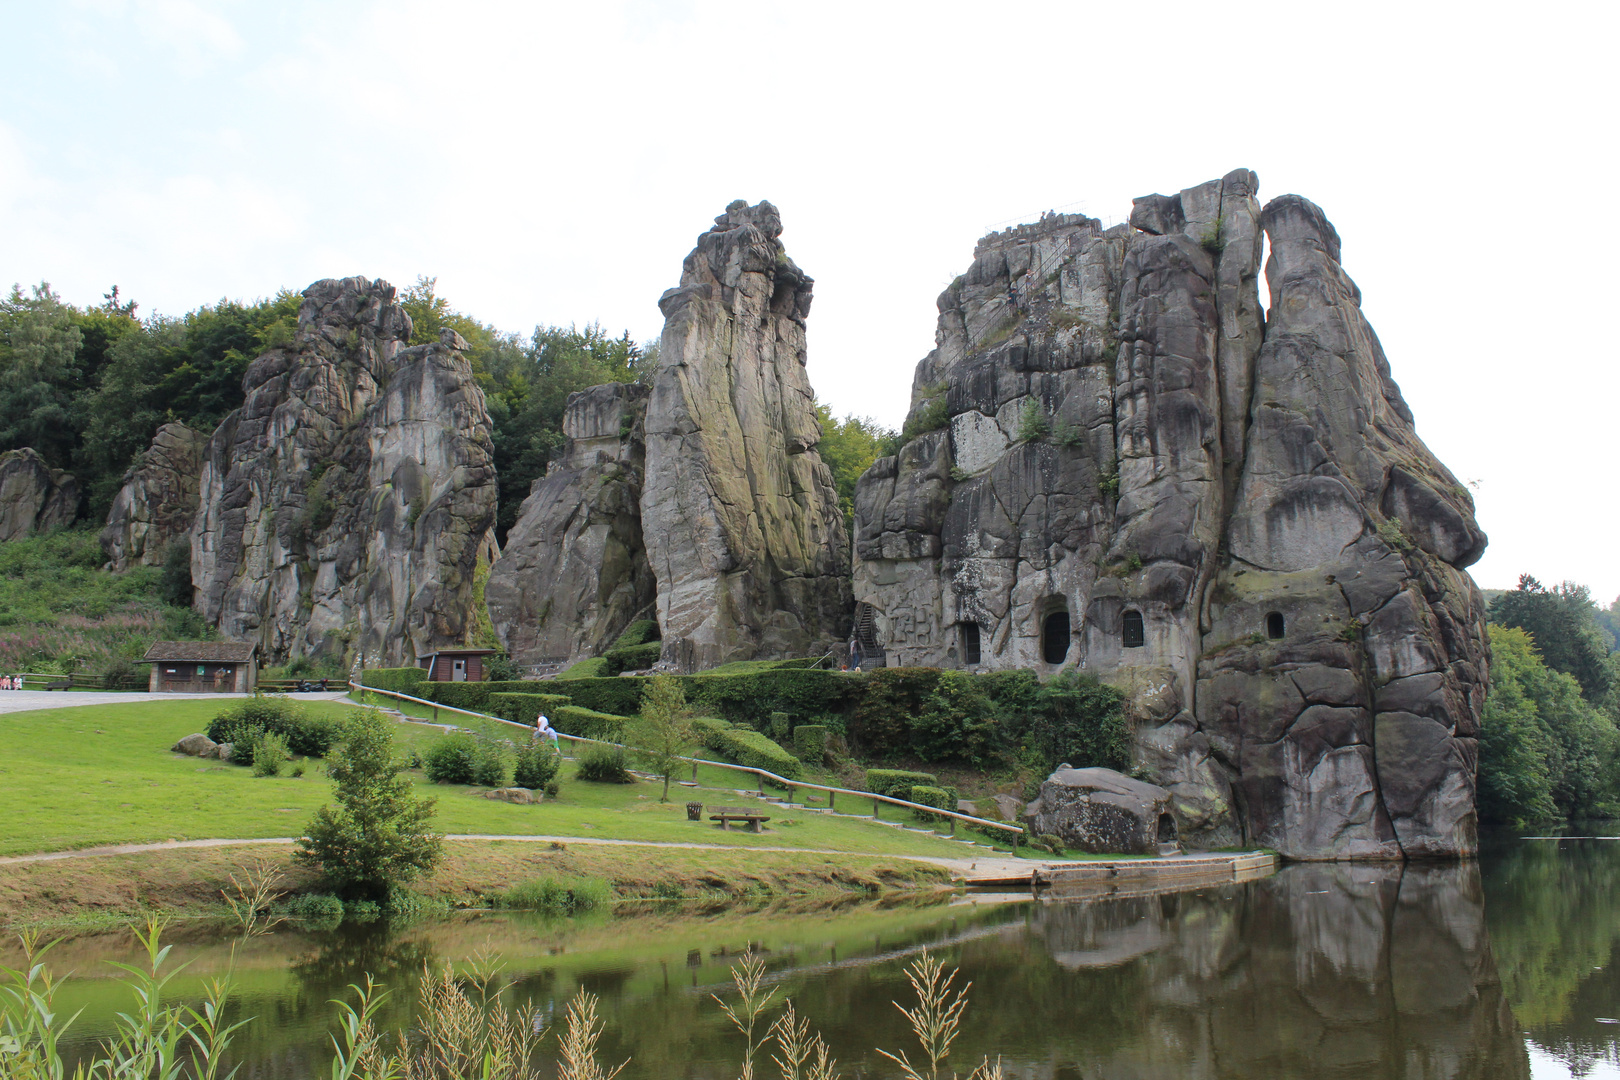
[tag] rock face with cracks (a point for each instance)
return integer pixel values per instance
(740, 515)
(345, 505)
(34, 498)
(574, 572)
(158, 502)
(1119, 461)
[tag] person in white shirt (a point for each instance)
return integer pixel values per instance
(544, 730)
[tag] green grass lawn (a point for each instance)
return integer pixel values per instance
(103, 774)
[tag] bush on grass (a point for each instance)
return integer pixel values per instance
(897, 783)
(639, 632)
(362, 911)
(491, 767)
(451, 759)
(269, 752)
(536, 765)
(243, 723)
(750, 748)
(557, 895)
(603, 765)
(941, 798)
(594, 668)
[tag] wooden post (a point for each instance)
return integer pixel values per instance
(694, 772)
(791, 790)
(953, 828)
(831, 797)
(876, 806)
(435, 714)
(761, 778)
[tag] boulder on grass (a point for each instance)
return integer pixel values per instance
(198, 745)
(521, 795)
(226, 751)
(1102, 812)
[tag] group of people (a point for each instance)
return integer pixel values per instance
(11, 682)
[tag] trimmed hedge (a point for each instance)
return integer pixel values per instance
(525, 708)
(401, 680)
(940, 798)
(709, 729)
(594, 668)
(748, 747)
(590, 724)
(639, 632)
(748, 698)
(632, 657)
(897, 783)
(474, 695)
(810, 743)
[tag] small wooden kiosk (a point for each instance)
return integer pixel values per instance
(455, 665)
(202, 667)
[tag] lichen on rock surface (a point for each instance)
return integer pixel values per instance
(344, 506)
(1222, 510)
(158, 501)
(574, 572)
(740, 515)
(34, 498)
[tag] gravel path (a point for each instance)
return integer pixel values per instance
(15, 701)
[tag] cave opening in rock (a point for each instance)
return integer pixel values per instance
(1132, 635)
(1274, 626)
(1055, 637)
(1167, 829)
(970, 642)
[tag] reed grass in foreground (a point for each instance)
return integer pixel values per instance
(462, 1031)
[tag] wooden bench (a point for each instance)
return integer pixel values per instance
(64, 684)
(725, 815)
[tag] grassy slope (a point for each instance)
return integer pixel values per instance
(80, 777)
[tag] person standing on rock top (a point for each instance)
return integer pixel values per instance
(854, 653)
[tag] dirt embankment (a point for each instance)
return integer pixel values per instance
(190, 882)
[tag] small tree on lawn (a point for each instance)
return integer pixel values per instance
(664, 734)
(378, 836)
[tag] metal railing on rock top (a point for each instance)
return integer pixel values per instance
(762, 776)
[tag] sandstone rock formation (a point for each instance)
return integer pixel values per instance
(739, 513)
(1120, 462)
(158, 502)
(574, 573)
(34, 498)
(1102, 811)
(345, 504)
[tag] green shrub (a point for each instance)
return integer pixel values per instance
(589, 724)
(560, 896)
(304, 735)
(1032, 422)
(525, 708)
(810, 743)
(536, 765)
(941, 798)
(620, 697)
(472, 696)
(603, 765)
(401, 680)
(781, 726)
(403, 903)
(1079, 720)
(490, 766)
(750, 748)
(708, 730)
(897, 783)
(927, 713)
(317, 911)
(362, 911)
(632, 658)
(639, 632)
(269, 754)
(452, 759)
(593, 668)
(932, 413)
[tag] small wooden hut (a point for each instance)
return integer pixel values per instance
(202, 667)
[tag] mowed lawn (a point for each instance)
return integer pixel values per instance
(103, 774)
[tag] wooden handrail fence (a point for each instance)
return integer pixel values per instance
(761, 775)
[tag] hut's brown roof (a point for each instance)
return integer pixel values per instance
(201, 652)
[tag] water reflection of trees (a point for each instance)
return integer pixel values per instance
(1554, 913)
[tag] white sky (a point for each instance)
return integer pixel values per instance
(553, 163)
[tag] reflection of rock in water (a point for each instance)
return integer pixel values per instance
(1375, 972)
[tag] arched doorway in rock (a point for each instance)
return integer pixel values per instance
(1132, 634)
(1167, 829)
(1055, 637)
(1274, 626)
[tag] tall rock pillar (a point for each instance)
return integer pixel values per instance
(739, 513)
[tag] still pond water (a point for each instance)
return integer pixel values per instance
(1501, 969)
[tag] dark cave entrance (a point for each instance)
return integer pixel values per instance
(1055, 637)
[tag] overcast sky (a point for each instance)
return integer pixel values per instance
(553, 163)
